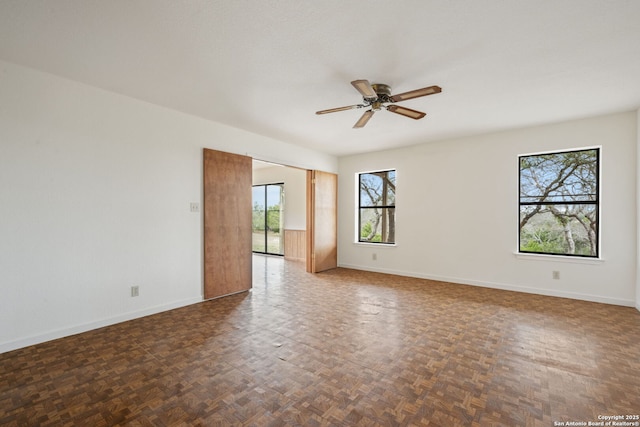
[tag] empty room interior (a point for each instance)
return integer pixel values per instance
(319, 213)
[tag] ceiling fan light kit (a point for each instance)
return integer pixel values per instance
(376, 95)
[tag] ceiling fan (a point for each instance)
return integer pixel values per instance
(376, 95)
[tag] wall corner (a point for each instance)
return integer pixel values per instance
(637, 209)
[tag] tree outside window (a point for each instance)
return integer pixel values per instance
(559, 198)
(377, 207)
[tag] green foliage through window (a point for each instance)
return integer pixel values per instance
(377, 207)
(559, 197)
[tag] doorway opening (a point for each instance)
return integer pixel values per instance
(267, 219)
(304, 228)
(307, 219)
(285, 233)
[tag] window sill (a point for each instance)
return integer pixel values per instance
(558, 258)
(376, 245)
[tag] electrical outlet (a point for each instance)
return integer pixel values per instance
(135, 291)
(556, 275)
(374, 256)
(194, 207)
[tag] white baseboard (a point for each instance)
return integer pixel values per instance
(503, 286)
(77, 329)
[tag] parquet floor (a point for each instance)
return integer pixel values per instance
(343, 348)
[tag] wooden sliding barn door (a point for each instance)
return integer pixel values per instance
(227, 223)
(322, 221)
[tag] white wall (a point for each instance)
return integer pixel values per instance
(95, 190)
(457, 212)
(295, 192)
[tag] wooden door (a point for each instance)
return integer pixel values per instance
(227, 223)
(322, 221)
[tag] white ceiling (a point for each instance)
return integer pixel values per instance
(267, 66)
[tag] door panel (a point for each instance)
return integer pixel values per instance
(227, 223)
(322, 221)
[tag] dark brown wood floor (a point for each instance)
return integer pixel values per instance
(337, 348)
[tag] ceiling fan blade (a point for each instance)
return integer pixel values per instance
(416, 93)
(365, 89)
(408, 112)
(363, 119)
(333, 110)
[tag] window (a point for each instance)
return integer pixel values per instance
(377, 207)
(559, 203)
(267, 219)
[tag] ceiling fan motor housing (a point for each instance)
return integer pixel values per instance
(383, 91)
